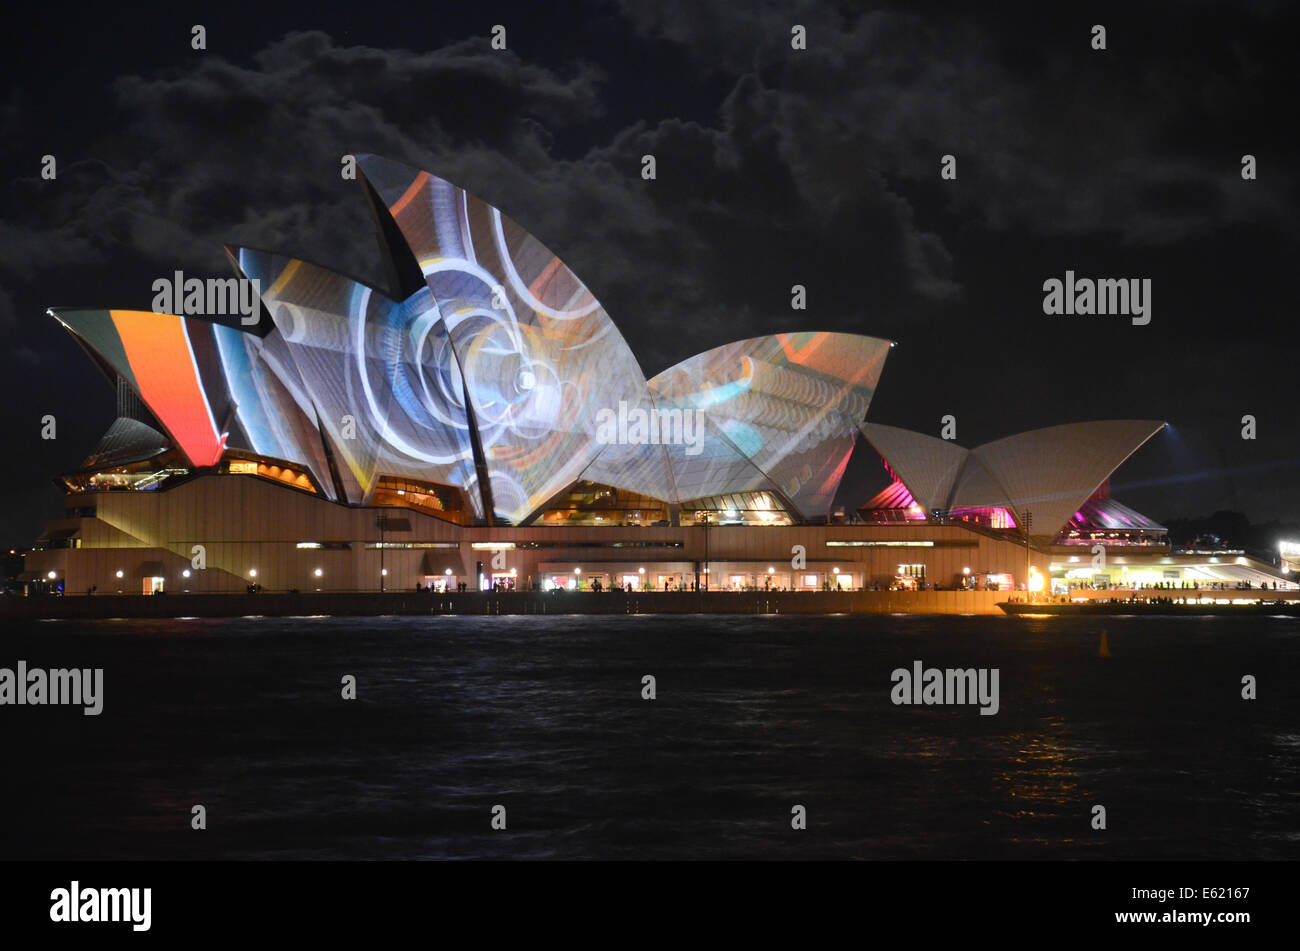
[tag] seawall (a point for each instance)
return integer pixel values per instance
(513, 602)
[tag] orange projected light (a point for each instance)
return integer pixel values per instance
(162, 363)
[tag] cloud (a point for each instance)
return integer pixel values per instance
(1051, 137)
(815, 167)
(746, 204)
(6, 310)
(251, 153)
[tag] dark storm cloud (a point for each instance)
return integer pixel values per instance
(226, 152)
(6, 310)
(249, 153)
(1051, 137)
(741, 210)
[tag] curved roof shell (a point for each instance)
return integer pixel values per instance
(501, 375)
(1048, 473)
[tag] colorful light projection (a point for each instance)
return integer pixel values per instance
(380, 374)
(503, 362)
(782, 412)
(154, 354)
(540, 356)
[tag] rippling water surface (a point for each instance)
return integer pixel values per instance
(753, 715)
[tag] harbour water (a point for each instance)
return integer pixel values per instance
(752, 716)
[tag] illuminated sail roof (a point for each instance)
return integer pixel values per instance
(540, 357)
(127, 441)
(157, 356)
(1106, 514)
(380, 374)
(926, 465)
(1049, 473)
(490, 368)
(788, 405)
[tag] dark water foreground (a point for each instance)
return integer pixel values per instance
(753, 715)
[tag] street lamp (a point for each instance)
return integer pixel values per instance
(1029, 521)
(705, 519)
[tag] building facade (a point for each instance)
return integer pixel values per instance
(481, 422)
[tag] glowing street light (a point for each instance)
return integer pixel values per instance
(705, 520)
(1028, 521)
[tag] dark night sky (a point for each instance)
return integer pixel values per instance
(775, 167)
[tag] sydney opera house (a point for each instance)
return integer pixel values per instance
(481, 422)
